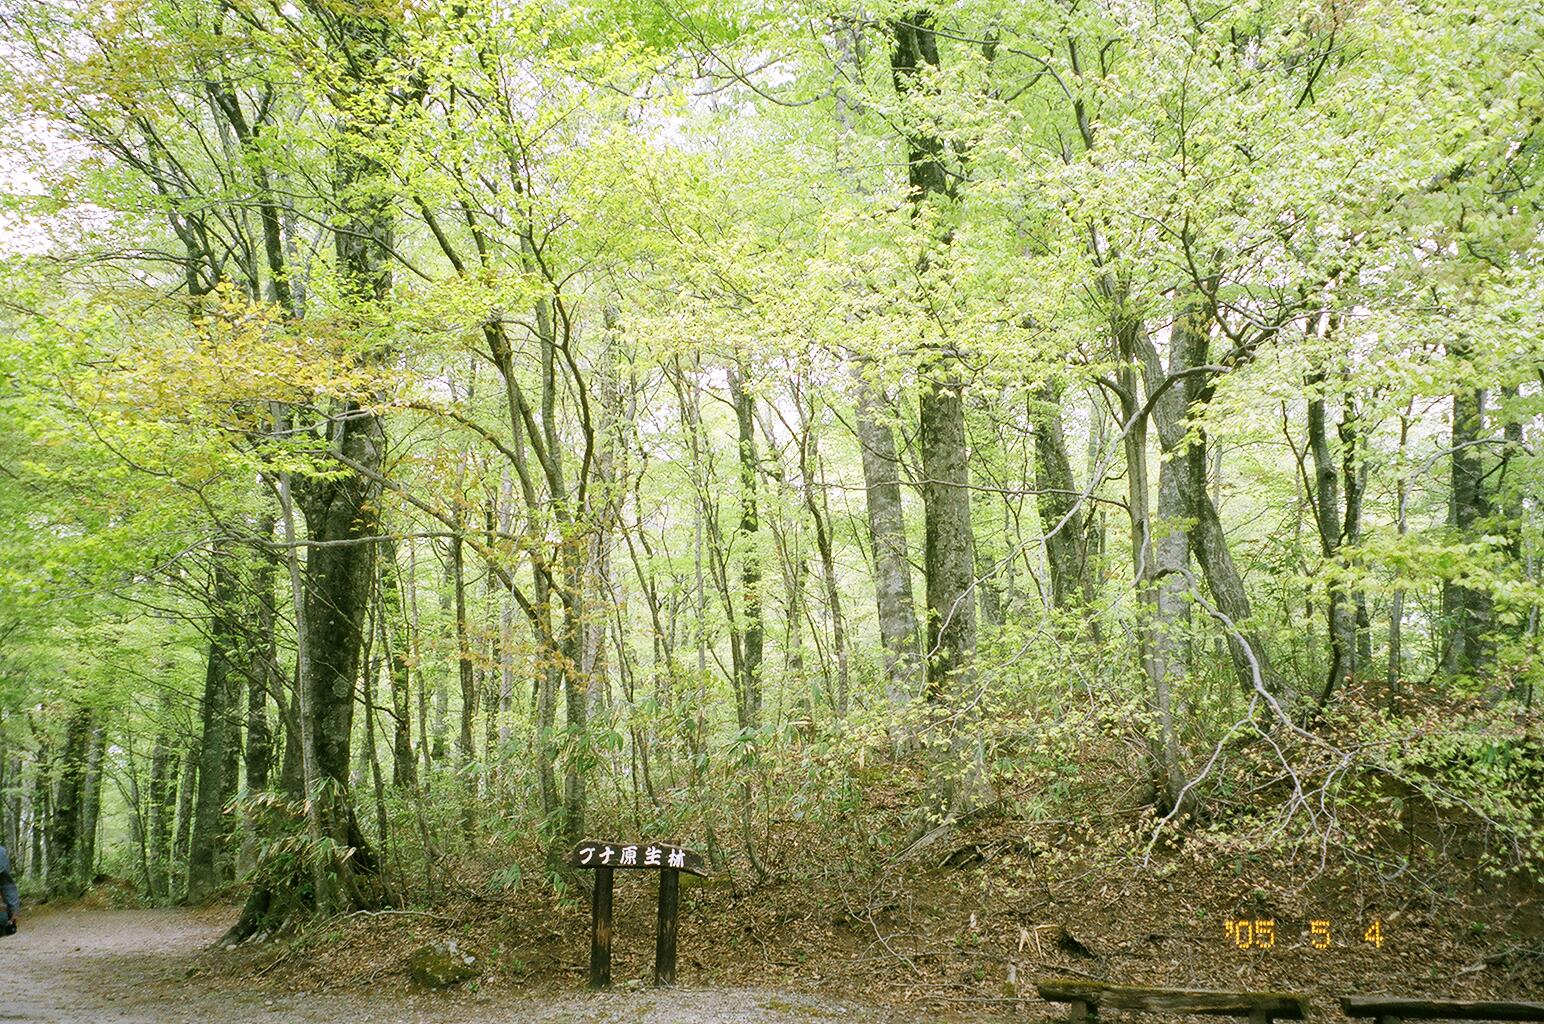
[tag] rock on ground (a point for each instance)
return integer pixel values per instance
(441, 965)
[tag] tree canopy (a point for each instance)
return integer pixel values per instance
(433, 432)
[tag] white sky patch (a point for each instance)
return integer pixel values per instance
(28, 150)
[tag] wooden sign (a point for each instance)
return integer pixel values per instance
(604, 858)
(593, 853)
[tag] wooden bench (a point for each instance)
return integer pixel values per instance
(1391, 1010)
(1088, 997)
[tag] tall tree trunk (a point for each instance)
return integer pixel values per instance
(1466, 611)
(486, 686)
(949, 542)
(367, 685)
(464, 667)
(949, 546)
(342, 512)
(230, 776)
(262, 677)
(441, 702)
(1325, 498)
(42, 810)
(1208, 542)
(1395, 671)
(338, 580)
(576, 698)
(187, 789)
(547, 682)
(606, 502)
(506, 619)
(887, 533)
(215, 720)
(415, 639)
(14, 811)
(163, 773)
(547, 672)
(594, 663)
(1171, 563)
(1061, 517)
(1513, 504)
(394, 629)
(64, 822)
(1354, 470)
(825, 543)
(1155, 630)
(91, 805)
(306, 719)
(291, 762)
(139, 845)
(827, 547)
(948, 539)
(751, 629)
(794, 571)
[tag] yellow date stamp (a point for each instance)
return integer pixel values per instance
(1319, 933)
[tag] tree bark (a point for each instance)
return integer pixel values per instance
(1333, 477)
(342, 511)
(752, 629)
(163, 772)
(1325, 497)
(64, 821)
(949, 553)
(1395, 672)
(394, 625)
(215, 720)
(41, 810)
(1208, 541)
(464, 667)
(187, 789)
(1466, 612)
(825, 543)
(893, 597)
(91, 805)
(1057, 502)
(948, 538)
(1155, 629)
(262, 678)
(949, 546)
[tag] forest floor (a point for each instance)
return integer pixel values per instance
(961, 931)
(88, 966)
(957, 933)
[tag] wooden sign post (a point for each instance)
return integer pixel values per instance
(604, 859)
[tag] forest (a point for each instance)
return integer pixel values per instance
(436, 432)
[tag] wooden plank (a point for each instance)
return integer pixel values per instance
(1440, 1009)
(1173, 1000)
(665, 932)
(600, 930)
(601, 853)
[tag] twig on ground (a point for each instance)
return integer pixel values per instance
(405, 913)
(277, 962)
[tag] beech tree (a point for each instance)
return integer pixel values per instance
(440, 433)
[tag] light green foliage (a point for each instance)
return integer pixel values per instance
(645, 202)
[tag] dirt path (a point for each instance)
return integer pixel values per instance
(133, 967)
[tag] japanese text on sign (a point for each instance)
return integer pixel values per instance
(594, 853)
